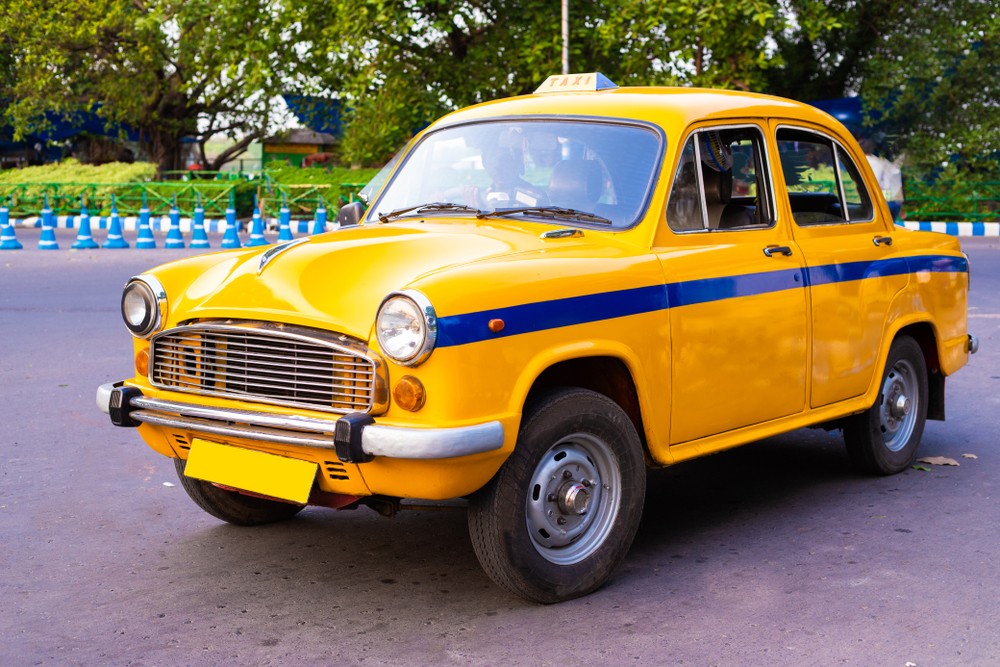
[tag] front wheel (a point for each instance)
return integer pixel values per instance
(883, 440)
(231, 506)
(561, 513)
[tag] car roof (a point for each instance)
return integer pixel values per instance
(664, 106)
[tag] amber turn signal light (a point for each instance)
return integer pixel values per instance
(409, 393)
(142, 362)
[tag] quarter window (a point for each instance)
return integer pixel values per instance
(720, 182)
(823, 183)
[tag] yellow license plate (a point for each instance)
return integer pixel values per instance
(248, 470)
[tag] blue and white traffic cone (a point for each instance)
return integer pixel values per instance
(256, 227)
(319, 222)
(8, 239)
(115, 239)
(231, 238)
(84, 239)
(145, 240)
(284, 222)
(47, 241)
(199, 239)
(174, 238)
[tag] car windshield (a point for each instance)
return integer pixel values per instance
(567, 172)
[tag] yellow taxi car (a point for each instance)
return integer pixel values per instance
(549, 295)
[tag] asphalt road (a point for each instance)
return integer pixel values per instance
(772, 554)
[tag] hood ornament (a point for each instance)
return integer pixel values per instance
(266, 258)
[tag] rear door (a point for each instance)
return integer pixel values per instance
(853, 270)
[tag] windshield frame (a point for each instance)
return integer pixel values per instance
(372, 216)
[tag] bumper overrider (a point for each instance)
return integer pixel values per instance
(355, 438)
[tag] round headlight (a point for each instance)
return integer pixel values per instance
(144, 305)
(406, 327)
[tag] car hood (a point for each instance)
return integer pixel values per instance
(337, 281)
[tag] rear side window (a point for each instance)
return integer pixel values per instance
(720, 182)
(823, 183)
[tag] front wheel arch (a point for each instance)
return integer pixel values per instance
(605, 375)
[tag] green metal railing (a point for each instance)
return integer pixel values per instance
(28, 199)
(66, 198)
(974, 202)
(978, 202)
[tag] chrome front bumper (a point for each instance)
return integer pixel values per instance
(355, 437)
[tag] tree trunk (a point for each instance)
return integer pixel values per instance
(163, 149)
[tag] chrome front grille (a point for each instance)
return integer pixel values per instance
(269, 363)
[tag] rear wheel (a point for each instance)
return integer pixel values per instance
(231, 506)
(883, 439)
(561, 513)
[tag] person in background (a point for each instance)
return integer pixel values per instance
(890, 179)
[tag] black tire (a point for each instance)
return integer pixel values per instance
(577, 450)
(231, 506)
(883, 440)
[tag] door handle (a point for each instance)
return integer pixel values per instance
(879, 240)
(773, 250)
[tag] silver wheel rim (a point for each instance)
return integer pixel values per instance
(573, 499)
(898, 410)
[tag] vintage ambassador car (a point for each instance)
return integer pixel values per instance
(548, 295)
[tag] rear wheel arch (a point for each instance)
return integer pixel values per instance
(926, 337)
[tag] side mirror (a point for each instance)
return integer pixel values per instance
(350, 214)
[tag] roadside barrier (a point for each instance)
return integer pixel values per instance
(319, 222)
(256, 227)
(231, 239)
(84, 237)
(115, 239)
(199, 240)
(8, 239)
(284, 221)
(47, 241)
(174, 238)
(145, 240)
(955, 228)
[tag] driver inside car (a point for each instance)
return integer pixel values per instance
(507, 188)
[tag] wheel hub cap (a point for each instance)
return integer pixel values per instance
(574, 498)
(897, 415)
(900, 407)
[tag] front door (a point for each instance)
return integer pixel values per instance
(735, 290)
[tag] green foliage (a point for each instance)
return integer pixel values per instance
(71, 171)
(283, 173)
(175, 68)
(304, 187)
(934, 73)
(417, 59)
(168, 68)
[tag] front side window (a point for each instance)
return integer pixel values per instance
(823, 183)
(720, 182)
(567, 171)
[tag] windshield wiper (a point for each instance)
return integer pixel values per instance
(546, 212)
(427, 208)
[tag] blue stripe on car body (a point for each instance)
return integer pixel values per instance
(540, 316)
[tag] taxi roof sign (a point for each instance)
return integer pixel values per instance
(565, 83)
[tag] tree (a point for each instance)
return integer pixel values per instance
(927, 71)
(934, 74)
(170, 69)
(416, 59)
